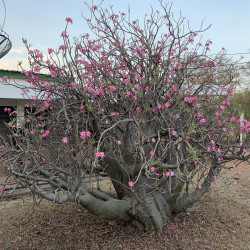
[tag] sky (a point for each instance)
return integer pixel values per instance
(42, 21)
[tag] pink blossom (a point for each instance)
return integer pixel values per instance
(215, 177)
(235, 182)
(153, 140)
(82, 107)
(232, 119)
(126, 81)
(84, 134)
(94, 7)
(202, 121)
(63, 47)
(196, 162)
(50, 50)
(52, 73)
(37, 69)
(64, 34)
(213, 142)
(239, 173)
(234, 166)
(99, 154)
(244, 150)
(118, 142)
(187, 139)
(219, 150)
(4, 78)
(174, 88)
(152, 153)
(46, 133)
(217, 113)
(220, 159)
(152, 169)
(112, 89)
(2, 189)
(174, 133)
(69, 20)
(131, 183)
(169, 174)
(65, 139)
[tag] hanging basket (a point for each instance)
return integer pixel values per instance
(5, 45)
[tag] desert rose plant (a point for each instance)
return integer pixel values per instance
(140, 104)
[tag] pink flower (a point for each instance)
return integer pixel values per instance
(37, 69)
(65, 139)
(94, 7)
(52, 73)
(174, 133)
(153, 140)
(244, 150)
(84, 134)
(187, 139)
(118, 142)
(174, 88)
(202, 121)
(82, 107)
(232, 119)
(220, 159)
(234, 166)
(152, 153)
(169, 174)
(4, 78)
(196, 162)
(126, 81)
(219, 150)
(112, 89)
(213, 142)
(99, 154)
(2, 189)
(50, 50)
(239, 173)
(64, 34)
(152, 169)
(217, 113)
(131, 183)
(235, 182)
(46, 133)
(215, 177)
(69, 20)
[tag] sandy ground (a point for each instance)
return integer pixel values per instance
(220, 221)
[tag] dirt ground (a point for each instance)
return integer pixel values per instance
(220, 221)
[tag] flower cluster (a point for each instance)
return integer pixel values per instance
(99, 154)
(84, 134)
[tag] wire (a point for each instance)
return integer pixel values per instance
(2, 26)
(233, 54)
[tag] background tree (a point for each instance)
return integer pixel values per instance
(138, 103)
